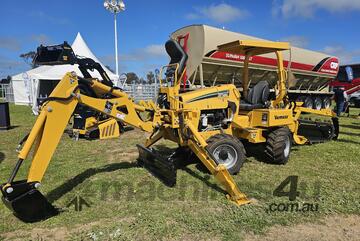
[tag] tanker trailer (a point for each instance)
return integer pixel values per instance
(206, 66)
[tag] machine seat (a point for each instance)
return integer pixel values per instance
(257, 98)
(177, 56)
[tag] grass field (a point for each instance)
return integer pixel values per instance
(127, 203)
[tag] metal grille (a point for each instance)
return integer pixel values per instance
(136, 91)
(6, 93)
(142, 91)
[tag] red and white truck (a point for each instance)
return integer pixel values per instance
(349, 78)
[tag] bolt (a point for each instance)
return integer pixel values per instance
(37, 185)
(73, 74)
(9, 190)
(49, 109)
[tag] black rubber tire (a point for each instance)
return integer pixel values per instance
(223, 139)
(300, 99)
(357, 103)
(326, 102)
(308, 102)
(278, 146)
(317, 103)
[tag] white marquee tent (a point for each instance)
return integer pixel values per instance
(27, 85)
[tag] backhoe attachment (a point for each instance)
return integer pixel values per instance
(22, 197)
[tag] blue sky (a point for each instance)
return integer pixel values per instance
(331, 26)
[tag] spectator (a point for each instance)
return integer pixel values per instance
(347, 104)
(340, 100)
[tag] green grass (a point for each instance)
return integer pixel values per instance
(127, 203)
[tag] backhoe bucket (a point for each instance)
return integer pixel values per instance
(318, 131)
(27, 203)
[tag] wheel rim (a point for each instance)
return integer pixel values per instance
(226, 155)
(318, 104)
(308, 103)
(287, 147)
(326, 103)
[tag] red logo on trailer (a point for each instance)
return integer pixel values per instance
(331, 66)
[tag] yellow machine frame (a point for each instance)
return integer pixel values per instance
(179, 123)
(108, 128)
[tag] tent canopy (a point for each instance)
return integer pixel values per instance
(26, 84)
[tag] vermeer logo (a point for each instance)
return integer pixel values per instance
(281, 117)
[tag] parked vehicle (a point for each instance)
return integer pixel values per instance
(207, 66)
(349, 78)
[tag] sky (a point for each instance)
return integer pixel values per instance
(330, 26)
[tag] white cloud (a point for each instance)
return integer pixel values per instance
(192, 16)
(41, 38)
(221, 13)
(10, 66)
(48, 18)
(345, 56)
(10, 43)
(155, 50)
(298, 41)
(307, 8)
(146, 56)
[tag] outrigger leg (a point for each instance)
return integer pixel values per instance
(165, 168)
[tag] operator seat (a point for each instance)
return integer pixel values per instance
(257, 98)
(177, 56)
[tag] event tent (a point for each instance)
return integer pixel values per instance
(39, 82)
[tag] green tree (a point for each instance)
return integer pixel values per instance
(150, 77)
(28, 58)
(142, 81)
(132, 78)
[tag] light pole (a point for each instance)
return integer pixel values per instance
(115, 6)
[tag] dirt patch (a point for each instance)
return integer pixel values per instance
(55, 234)
(80, 232)
(124, 156)
(330, 229)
